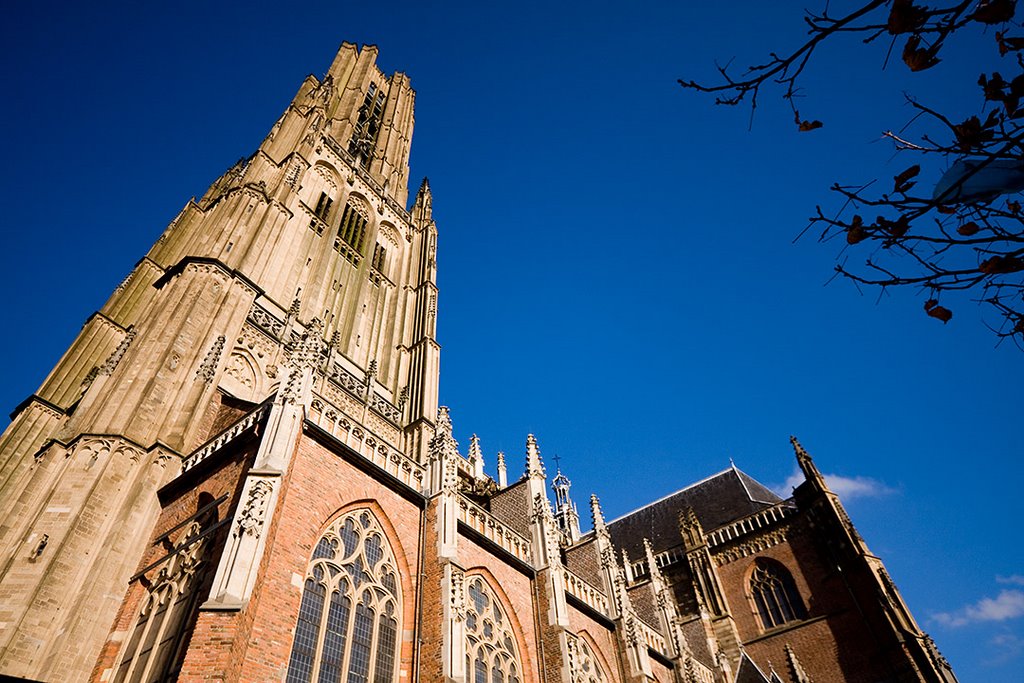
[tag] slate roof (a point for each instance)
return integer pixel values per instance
(748, 672)
(718, 500)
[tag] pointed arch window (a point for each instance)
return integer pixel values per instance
(155, 649)
(350, 614)
(491, 654)
(774, 594)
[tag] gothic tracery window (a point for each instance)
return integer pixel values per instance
(154, 650)
(491, 654)
(774, 594)
(350, 614)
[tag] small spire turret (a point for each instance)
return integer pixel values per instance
(502, 470)
(476, 457)
(534, 465)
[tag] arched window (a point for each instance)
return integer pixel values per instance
(491, 655)
(154, 652)
(774, 594)
(350, 614)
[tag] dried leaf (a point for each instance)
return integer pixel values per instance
(919, 58)
(1008, 44)
(856, 233)
(994, 87)
(1013, 206)
(905, 17)
(896, 228)
(970, 134)
(945, 209)
(933, 309)
(968, 229)
(1001, 265)
(900, 182)
(809, 125)
(995, 11)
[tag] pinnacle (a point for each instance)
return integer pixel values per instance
(534, 464)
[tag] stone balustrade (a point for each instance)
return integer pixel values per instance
(484, 523)
(589, 595)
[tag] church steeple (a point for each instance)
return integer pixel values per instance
(565, 509)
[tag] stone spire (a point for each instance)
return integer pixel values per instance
(476, 457)
(502, 470)
(596, 516)
(807, 466)
(423, 207)
(565, 509)
(534, 465)
(795, 669)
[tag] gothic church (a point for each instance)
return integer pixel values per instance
(239, 471)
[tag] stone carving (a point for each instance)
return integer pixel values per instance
(348, 381)
(250, 521)
(241, 369)
(382, 406)
(115, 357)
(457, 599)
(208, 368)
(265, 321)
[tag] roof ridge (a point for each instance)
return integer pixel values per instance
(666, 497)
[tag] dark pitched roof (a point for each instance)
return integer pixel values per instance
(718, 500)
(748, 672)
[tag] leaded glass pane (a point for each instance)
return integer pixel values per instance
(362, 633)
(300, 666)
(386, 636)
(334, 637)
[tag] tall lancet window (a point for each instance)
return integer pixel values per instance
(491, 654)
(350, 615)
(154, 650)
(774, 594)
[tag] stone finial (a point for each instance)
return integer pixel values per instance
(534, 465)
(627, 567)
(502, 470)
(797, 671)
(689, 525)
(596, 516)
(476, 457)
(803, 458)
(295, 309)
(423, 206)
(444, 420)
(652, 564)
(444, 446)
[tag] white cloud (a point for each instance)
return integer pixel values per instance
(1006, 647)
(847, 488)
(1009, 604)
(1015, 579)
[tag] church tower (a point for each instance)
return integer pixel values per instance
(300, 260)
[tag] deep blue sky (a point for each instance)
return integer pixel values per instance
(616, 263)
